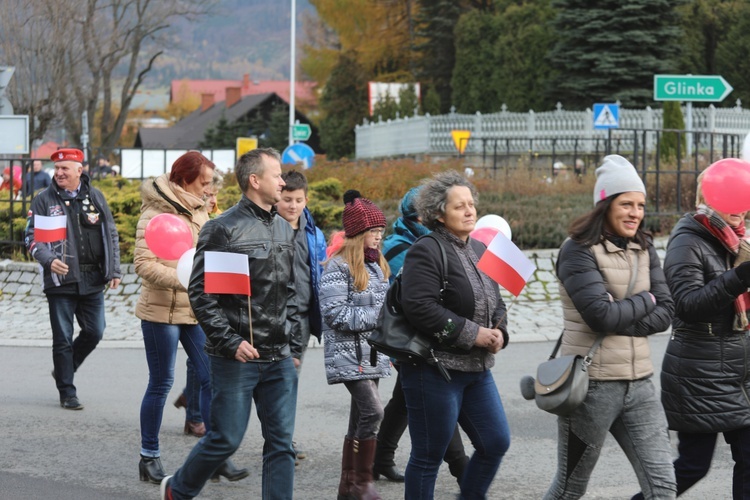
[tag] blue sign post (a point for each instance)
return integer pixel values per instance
(606, 116)
(298, 153)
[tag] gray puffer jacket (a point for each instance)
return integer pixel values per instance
(349, 316)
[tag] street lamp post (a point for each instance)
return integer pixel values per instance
(292, 83)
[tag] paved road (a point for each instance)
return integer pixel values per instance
(46, 452)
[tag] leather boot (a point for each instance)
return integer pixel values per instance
(150, 469)
(229, 471)
(364, 454)
(347, 471)
(197, 429)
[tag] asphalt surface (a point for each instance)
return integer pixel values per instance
(47, 452)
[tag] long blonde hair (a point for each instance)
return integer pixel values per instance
(353, 253)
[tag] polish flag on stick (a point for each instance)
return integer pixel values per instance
(506, 264)
(227, 272)
(49, 229)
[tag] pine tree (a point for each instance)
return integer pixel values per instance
(476, 34)
(674, 120)
(344, 103)
(278, 128)
(437, 54)
(610, 50)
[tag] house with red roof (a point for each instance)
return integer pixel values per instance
(215, 90)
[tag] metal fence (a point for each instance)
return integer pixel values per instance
(558, 129)
(671, 182)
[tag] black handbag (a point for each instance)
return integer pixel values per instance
(396, 337)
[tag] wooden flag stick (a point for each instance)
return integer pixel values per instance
(250, 320)
(65, 250)
(497, 325)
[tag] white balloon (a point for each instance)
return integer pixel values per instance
(494, 221)
(185, 267)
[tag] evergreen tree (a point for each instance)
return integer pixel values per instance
(278, 128)
(476, 33)
(223, 135)
(385, 108)
(344, 103)
(436, 21)
(674, 120)
(733, 56)
(389, 108)
(408, 101)
(520, 78)
(610, 50)
(431, 101)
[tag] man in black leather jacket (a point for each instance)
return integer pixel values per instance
(249, 359)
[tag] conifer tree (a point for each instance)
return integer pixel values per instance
(610, 50)
(344, 103)
(673, 120)
(437, 54)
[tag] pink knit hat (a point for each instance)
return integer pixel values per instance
(360, 214)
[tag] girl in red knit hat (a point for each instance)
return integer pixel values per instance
(352, 291)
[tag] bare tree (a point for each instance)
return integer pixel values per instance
(95, 60)
(35, 38)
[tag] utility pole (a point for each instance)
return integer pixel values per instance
(293, 57)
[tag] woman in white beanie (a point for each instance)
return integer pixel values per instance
(613, 289)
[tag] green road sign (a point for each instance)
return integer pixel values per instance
(706, 88)
(301, 132)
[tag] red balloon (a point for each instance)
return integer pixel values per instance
(484, 234)
(726, 185)
(168, 236)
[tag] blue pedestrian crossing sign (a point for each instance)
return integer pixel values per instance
(606, 115)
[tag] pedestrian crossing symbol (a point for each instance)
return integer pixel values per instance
(606, 115)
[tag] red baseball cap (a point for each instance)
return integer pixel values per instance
(67, 155)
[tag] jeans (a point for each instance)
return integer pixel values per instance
(161, 341)
(192, 393)
(366, 411)
(434, 406)
(632, 412)
(68, 354)
(234, 385)
(696, 452)
(393, 425)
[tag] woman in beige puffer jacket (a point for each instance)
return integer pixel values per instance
(163, 306)
(612, 287)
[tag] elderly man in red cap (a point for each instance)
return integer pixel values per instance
(70, 231)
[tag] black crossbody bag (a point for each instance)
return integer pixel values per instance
(396, 337)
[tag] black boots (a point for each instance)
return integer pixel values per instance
(229, 471)
(150, 469)
(390, 472)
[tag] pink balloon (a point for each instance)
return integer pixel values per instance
(168, 236)
(726, 185)
(484, 234)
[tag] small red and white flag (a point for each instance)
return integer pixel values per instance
(226, 272)
(49, 229)
(505, 263)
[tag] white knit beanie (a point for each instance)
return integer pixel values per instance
(616, 175)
